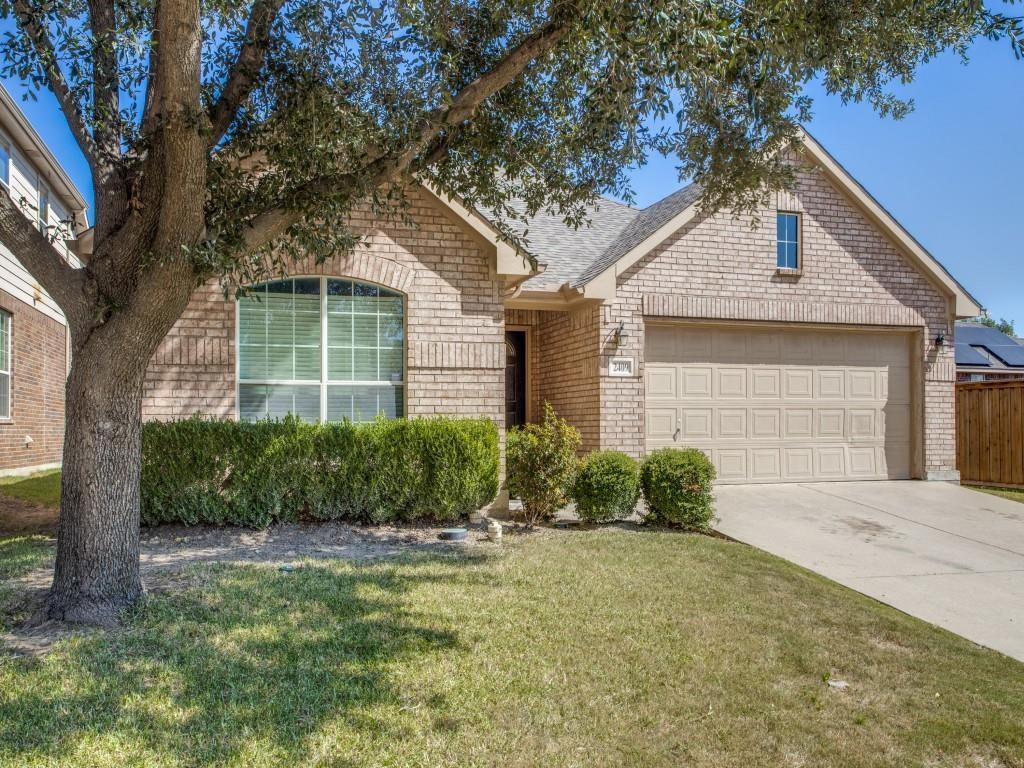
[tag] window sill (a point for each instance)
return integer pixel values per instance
(786, 272)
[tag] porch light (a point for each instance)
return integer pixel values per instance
(620, 334)
(940, 340)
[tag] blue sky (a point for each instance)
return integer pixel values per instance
(952, 172)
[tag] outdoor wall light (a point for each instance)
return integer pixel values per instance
(619, 335)
(940, 340)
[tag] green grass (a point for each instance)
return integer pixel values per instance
(19, 556)
(1013, 494)
(41, 488)
(578, 649)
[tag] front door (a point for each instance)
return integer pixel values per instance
(515, 378)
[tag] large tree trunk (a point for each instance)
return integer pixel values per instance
(97, 569)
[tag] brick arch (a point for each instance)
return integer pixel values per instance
(362, 265)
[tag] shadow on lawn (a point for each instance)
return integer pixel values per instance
(246, 665)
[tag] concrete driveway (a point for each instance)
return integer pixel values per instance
(946, 554)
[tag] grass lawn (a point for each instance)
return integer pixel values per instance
(41, 488)
(570, 649)
(1013, 494)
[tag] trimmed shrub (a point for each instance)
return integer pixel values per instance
(607, 486)
(256, 473)
(541, 461)
(677, 485)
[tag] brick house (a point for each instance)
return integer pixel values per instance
(33, 332)
(811, 347)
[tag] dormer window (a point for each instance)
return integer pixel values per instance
(787, 244)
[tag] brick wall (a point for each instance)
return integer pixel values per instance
(564, 367)
(528, 319)
(38, 377)
(721, 268)
(454, 316)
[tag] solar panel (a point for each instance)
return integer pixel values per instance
(1011, 354)
(968, 355)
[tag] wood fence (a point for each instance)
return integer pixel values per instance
(990, 432)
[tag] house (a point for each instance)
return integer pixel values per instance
(811, 347)
(34, 345)
(987, 354)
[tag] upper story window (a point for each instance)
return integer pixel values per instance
(5, 164)
(322, 348)
(787, 243)
(5, 365)
(43, 216)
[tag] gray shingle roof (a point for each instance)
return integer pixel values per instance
(1005, 352)
(576, 256)
(644, 224)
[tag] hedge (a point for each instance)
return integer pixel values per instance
(256, 473)
(677, 485)
(607, 487)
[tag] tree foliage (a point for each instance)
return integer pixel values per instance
(1002, 325)
(312, 107)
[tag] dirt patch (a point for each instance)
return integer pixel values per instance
(21, 518)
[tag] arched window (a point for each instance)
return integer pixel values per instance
(322, 348)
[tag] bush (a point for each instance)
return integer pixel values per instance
(541, 461)
(677, 487)
(254, 474)
(607, 486)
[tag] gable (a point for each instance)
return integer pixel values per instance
(847, 261)
(600, 284)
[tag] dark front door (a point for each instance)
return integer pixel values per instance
(515, 378)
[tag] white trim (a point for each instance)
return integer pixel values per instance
(798, 242)
(324, 381)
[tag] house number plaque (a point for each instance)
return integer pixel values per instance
(620, 366)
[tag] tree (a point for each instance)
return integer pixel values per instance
(1003, 325)
(226, 138)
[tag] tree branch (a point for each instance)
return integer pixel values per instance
(106, 105)
(35, 30)
(39, 256)
(382, 168)
(243, 73)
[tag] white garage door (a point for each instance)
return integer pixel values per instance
(782, 405)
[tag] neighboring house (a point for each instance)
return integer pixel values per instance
(812, 347)
(33, 333)
(987, 354)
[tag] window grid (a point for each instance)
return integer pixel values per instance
(787, 240)
(359, 398)
(5, 365)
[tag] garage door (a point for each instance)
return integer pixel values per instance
(782, 405)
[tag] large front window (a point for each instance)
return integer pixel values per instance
(322, 348)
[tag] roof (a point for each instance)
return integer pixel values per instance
(21, 131)
(567, 252)
(573, 256)
(617, 236)
(644, 224)
(979, 346)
